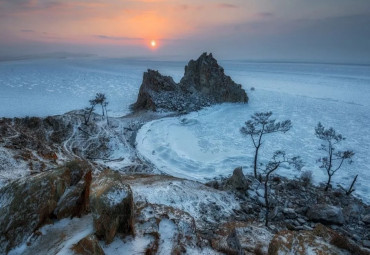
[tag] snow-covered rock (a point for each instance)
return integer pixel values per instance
(111, 203)
(29, 203)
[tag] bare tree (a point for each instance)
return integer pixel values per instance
(100, 98)
(333, 160)
(259, 125)
(89, 110)
(106, 111)
(279, 158)
(351, 188)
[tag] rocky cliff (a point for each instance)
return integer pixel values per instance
(204, 83)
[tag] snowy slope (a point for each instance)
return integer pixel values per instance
(206, 144)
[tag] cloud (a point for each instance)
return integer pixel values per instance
(118, 38)
(227, 6)
(265, 14)
(27, 31)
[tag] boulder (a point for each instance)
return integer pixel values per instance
(326, 214)
(88, 246)
(111, 204)
(29, 203)
(237, 181)
(203, 83)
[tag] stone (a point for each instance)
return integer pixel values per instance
(111, 204)
(29, 203)
(301, 221)
(237, 181)
(366, 243)
(289, 213)
(204, 83)
(366, 219)
(326, 214)
(89, 245)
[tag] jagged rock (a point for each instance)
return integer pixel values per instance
(326, 214)
(111, 203)
(320, 240)
(237, 181)
(29, 203)
(88, 246)
(204, 83)
(75, 201)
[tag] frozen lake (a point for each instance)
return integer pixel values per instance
(208, 143)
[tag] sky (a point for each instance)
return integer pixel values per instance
(325, 30)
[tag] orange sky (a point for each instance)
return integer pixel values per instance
(234, 28)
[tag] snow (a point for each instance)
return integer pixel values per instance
(167, 234)
(189, 196)
(116, 196)
(129, 245)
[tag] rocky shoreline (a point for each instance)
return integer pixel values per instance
(84, 189)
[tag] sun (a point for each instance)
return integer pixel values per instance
(153, 43)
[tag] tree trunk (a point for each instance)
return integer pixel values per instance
(328, 183)
(267, 202)
(255, 162)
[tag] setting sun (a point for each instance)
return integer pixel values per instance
(153, 44)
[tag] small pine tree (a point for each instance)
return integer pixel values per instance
(259, 125)
(333, 160)
(278, 159)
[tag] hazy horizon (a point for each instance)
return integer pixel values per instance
(286, 30)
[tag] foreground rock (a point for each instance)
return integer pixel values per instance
(204, 83)
(29, 203)
(112, 206)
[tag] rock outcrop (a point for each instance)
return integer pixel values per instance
(29, 203)
(111, 205)
(204, 83)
